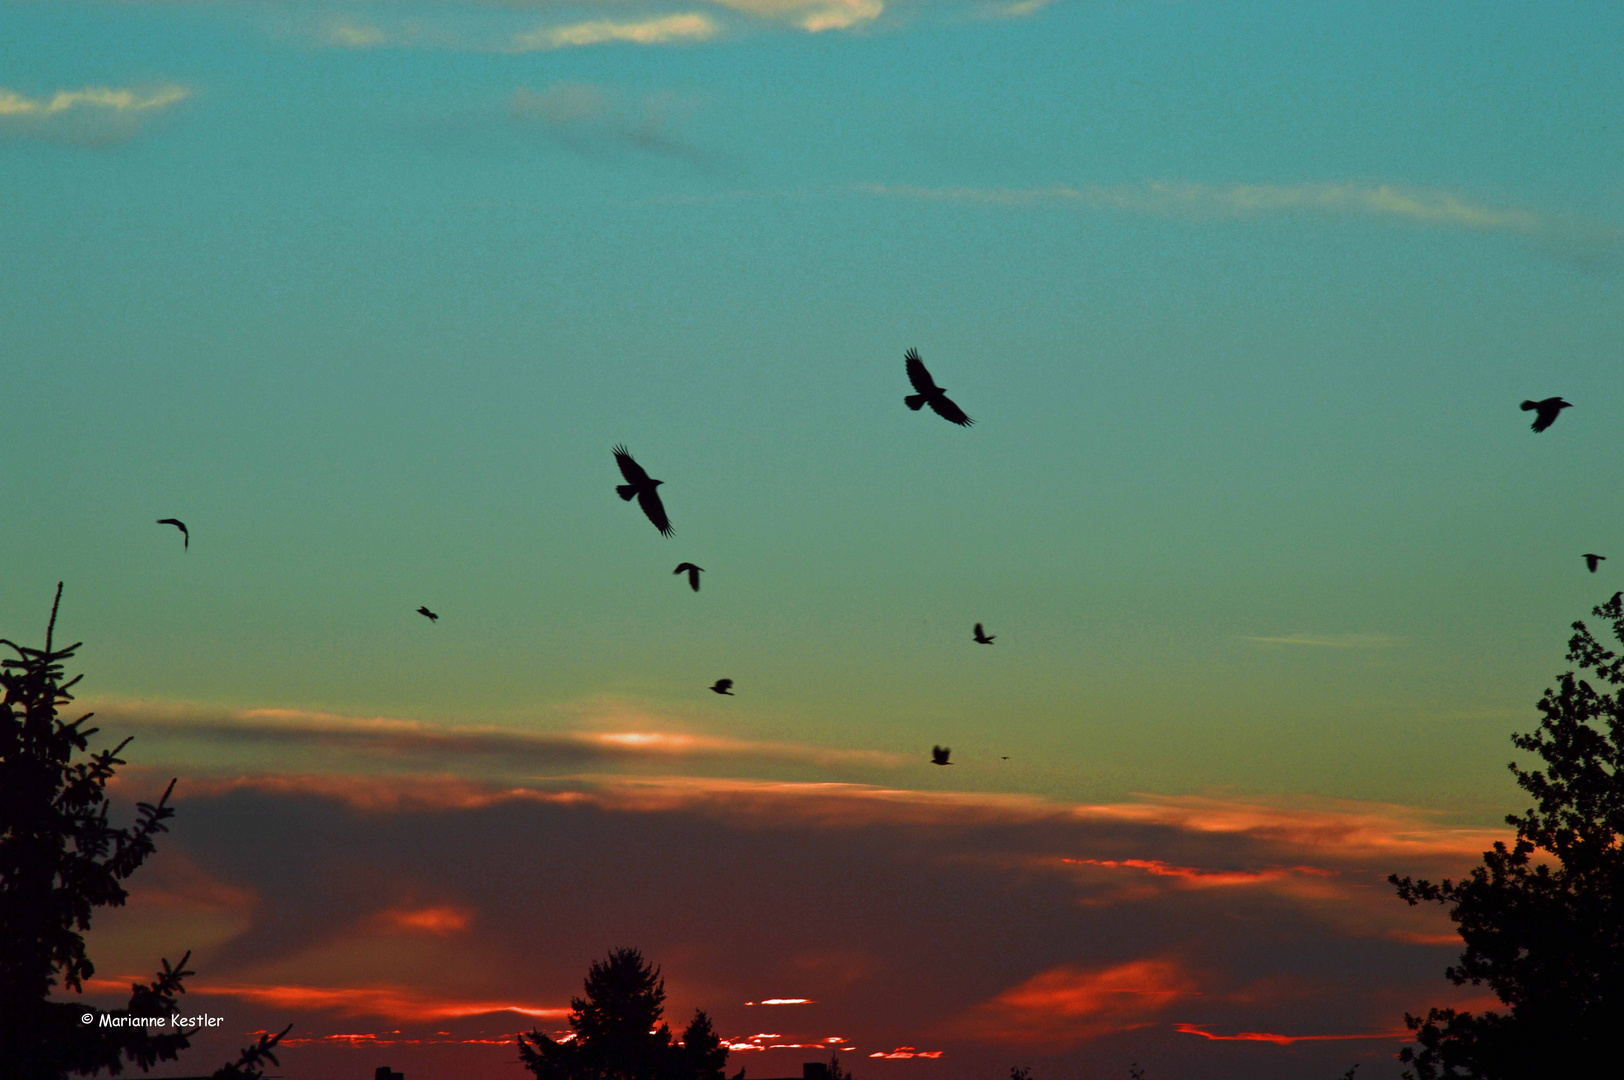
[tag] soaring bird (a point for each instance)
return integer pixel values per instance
(1547, 411)
(638, 485)
(929, 393)
(938, 755)
(186, 537)
(693, 573)
(432, 617)
(982, 637)
(1592, 560)
(724, 686)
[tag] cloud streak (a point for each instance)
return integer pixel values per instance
(1591, 245)
(677, 29)
(93, 115)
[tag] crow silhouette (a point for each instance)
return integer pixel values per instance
(982, 637)
(1546, 412)
(432, 617)
(938, 755)
(1592, 560)
(693, 573)
(186, 537)
(724, 686)
(639, 486)
(929, 393)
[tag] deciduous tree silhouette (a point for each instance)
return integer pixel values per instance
(1542, 920)
(619, 1032)
(59, 861)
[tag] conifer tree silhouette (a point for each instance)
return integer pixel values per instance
(59, 861)
(1542, 920)
(619, 1032)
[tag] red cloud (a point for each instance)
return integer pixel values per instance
(1197, 877)
(1285, 1040)
(440, 921)
(392, 1002)
(1068, 1005)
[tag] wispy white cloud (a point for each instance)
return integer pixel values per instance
(813, 16)
(1333, 641)
(1020, 9)
(661, 30)
(92, 115)
(1588, 244)
(1422, 206)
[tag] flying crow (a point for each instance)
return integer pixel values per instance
(1592, 560)
(1547, 411)
(186, 537)
(638, 486)
(929, 393)
(693, 573)
(724, 686)
(982, 637)
(938, 755)
(432, 617)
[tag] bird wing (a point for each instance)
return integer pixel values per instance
(724, 684)
(176, 522)
(649, 500)
(943, 406)
(917, 374)
(1543, 420)
(684, 566)
(979, 632)
(631, 470)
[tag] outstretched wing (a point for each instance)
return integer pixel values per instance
(917, 374)
(1543, 419)
(649, 500)
(632, 471)
(980, 632)
(944, 407)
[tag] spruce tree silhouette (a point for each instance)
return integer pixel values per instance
(619, 1033)
(1542, 920)
(59, 861)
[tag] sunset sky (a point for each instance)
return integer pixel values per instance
(1243, 298)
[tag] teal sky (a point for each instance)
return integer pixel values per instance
(1243, 298)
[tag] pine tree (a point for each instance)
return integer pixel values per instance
(618, 1032)
(60, 860)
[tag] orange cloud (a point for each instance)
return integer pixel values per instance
(1285, 1040)
(1197, 877)
(441, 921)
(1067, 1005)
(391, 1002)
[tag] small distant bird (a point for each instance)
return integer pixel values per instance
(1004, 758)
(938, 755)
(638, 486)
(186, 537)
(929, 393)
(724, 686)
(693, 573)
(1546, 412)
(432, 617)
(981, 636)
(1592, 560)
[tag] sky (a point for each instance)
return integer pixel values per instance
(1243, 298)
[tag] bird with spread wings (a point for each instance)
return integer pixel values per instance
(929, 393)
(641, 487)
